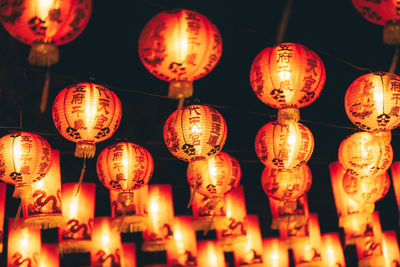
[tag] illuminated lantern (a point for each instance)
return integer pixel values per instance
(2, 212)
(210, 254)
(385, 13)
(364, 154)
(287, 76)
(106, 244)
(86, 113)
(291, 233)
(129, 255)
(184, 250)
(332, 251)
(180, 46)
(284, 145)
(75, 235)
(249, 253)
(25, 158)
(159, 233)
(125, 167)
(195, 132)
(208, 214)
(49, 256)
(236, 230)
(43, 208)
(23, 246)
(135, 216)
(390, 248)
(370, 101)
(366, 190)
(286, 185)
(275, 254)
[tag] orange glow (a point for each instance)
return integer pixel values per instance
(209, 213)
(207, 138)
(2, 212)
(49, 256)
(210, 254)
(390, 248)
(282, 214)
(284, 145)
(275, 253)
(103, 113)
(332, 251)
(128, 255)
(279, 76)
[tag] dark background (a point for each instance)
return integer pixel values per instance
(107, 51)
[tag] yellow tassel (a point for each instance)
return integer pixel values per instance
(43, 54)
(44, 221)
(391, 32)
(85, 149)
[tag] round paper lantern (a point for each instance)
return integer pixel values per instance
(365, 154)
(25, 158)
(214, 177)
(286, 185)
(45, 24)
(284, 145)
(86, 113)
(372, 101)
(287, 75)
(180, 46)
(125, 167)
(195, 132)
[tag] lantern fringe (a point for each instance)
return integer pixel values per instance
(209, 223)
(180, 90)
(44, 222)
(131, 224)
(44, 54)
(227, 243)
(74, 246)
(23, 191)
(157, 245)
(288, 113)
(391, 32)
(85, 149)
(45, 92)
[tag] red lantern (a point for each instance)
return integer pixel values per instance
(106, 244)
(49, 256)
(210, 254)
(370, 101)
(390, 248)
(45, 25)
(275, 254)
(2, 212)
(86, 113)
(288, 75)
(24, 158)
(129, 255)
(284, 145)
(180, 46)
(43, 208)
(332, 251)
(134, 216)
(208, 213)
(75, 236)
(195, 132)
(384, 13)
(365, 154)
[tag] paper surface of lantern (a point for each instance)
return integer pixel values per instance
(86, 113)
(45, 25)
(49, 256)
(284, 145)
(25, 158)
(135, 216)
(75, 235)
(371, 102)
(129, 255)
(390, 248)
(43, 208)
(195, 132)
(332, 251)
(159, 233)
(365, 154)
(180, 46)
(106, 248)
(275, 253)
(210, 254)
(249, 253)
(2, 212)
(282, 214)
(287, 75)
(208, 214)
(183, 252)
(23, 245)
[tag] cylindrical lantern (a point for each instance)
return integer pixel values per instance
(390, 248)
(159, 233)
(43, 208)
(2, 212)
(395, 170)
(183, 252)
(284, 145)
(75, 235)
(208, 214)
(135, 217)
(371, 101)
(106, 244)
(180, 46)
(86, 113)
(129, 255)
(275, 253)
(210, 254)
(332, 251)
(195, 132)
(49, 256)
(365, 154)
(288, 75)
(236, 213)
(249, 253)
(45, 25)
(23, 245)
(25, 158)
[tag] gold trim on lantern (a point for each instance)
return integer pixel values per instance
(85, 149)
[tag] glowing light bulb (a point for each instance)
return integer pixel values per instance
(378, 97)
(73, 207)
(196, 129)
(284, 75)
